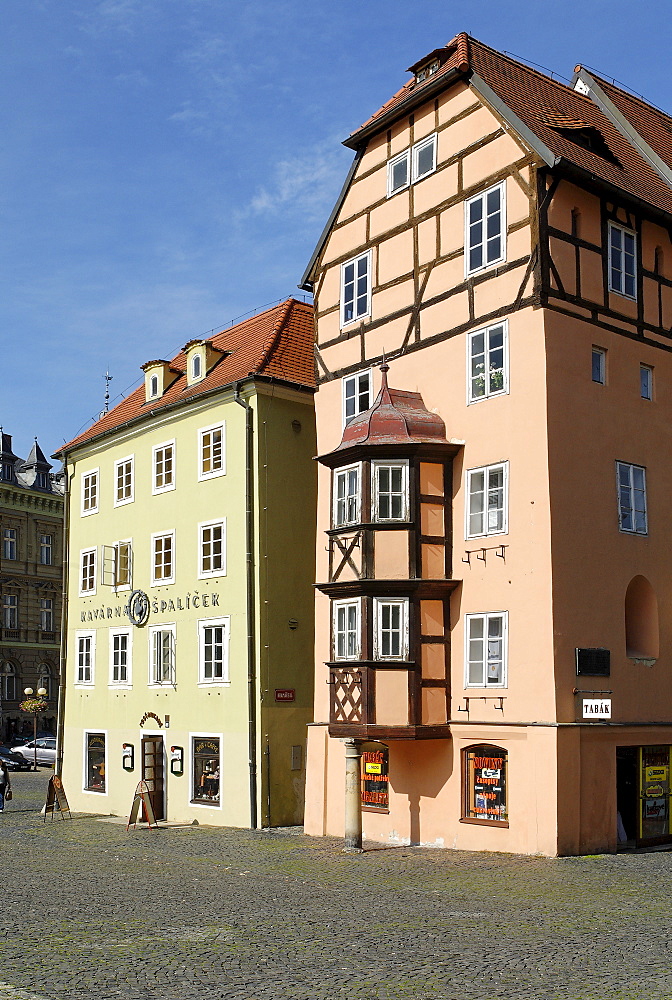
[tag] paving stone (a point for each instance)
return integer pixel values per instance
(199, 913)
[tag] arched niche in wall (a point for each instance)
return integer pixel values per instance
(642, 637)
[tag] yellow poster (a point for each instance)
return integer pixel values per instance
(373, 767)
(656, 774)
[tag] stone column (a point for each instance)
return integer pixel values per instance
(353, 799)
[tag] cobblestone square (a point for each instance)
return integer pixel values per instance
(90, 910)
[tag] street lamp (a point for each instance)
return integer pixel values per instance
(34, 706)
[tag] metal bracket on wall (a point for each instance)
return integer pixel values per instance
(499, 550)
(473, 697)
(590, 691)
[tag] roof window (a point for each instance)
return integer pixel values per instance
(429, 69)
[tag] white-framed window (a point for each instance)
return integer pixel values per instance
(423, 158)
(10, 611)
(46, 550)
(211, 451)
(163, 467)
(206, 769)
(485, 229)
(487, 500)
(196, 366)
(390, 634)
(631, 482)
(357, 394)
(123, 564)
(398, 173)
(9, 538)
(347, 495)
(120, 657)
(356, 288)
(90, 492)
(86, 657)
(154, 386)
(163, 557)
(123, 481)
(162, 654)
(486, 641)
(46, 614)
(87, 575)
(95, 762)
(488, 362)
(622, 261)
(598, 365)
(646, 382)
(389, 491)
(213, 650)
(412, 165)
(347, 629)
(212, 548)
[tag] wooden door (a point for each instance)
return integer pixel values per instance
(152, 772)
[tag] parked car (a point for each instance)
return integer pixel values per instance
(46, 750)
(19, 741)
(14, 761)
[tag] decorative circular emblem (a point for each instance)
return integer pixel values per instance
(137, 608)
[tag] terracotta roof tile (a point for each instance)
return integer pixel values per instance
(551, 109)
(277, 343)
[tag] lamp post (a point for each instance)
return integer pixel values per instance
(34, 706)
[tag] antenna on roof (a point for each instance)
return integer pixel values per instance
(108, 378)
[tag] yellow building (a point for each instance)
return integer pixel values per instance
(189, 606)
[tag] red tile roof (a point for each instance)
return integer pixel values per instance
(549, 109)
(277, 343)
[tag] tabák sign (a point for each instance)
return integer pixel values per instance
(597, 708)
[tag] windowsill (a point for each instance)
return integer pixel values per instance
(203, 477)
(208, 803)
(87, 513)
(489, 395)
(162, 489)
(624, 295)
(84, 685)
(120, 687)
(166, 685)
(502, 824)
(163, 583)
(486, 267)
(212, 576)
(124, 503)
(352, 322)
(94, 791)
(645, 661)
(214, 684)
(487, 534)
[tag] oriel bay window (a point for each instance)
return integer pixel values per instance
(486, 650)
(484, 783)
(390, 491)
(347, 629)
(347, 495)
(390, 637)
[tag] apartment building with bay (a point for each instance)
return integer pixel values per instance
(493, 298)
(190, 606)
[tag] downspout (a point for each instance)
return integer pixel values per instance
(60, 722)
(249, 574)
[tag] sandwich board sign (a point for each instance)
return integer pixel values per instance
(141, 797)
(56, 798)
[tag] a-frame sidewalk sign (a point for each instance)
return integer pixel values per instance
(142, 796)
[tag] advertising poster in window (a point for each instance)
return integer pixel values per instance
(486, 785)
(375, 776)
(655, 786)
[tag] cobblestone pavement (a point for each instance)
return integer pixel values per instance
(180, 913)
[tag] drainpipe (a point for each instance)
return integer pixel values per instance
(249, 557)
(60, 722)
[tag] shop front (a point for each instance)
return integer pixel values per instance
(643, 795)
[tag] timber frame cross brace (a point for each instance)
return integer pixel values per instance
(346, 549)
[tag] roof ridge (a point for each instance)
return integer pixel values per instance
(276, 333)
(632, 95)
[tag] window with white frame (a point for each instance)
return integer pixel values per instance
(412, 165)
(162, 654)
(357, 395)
(123, 481)
(389, 490)
(211, 452)
(8, 682)
(356, 288)
(347, 495)
(46, 614)
(123, 563)
(347, 629)
(154, 386)
(90, 492)
(196, 366)
(390, 636)
(622, 261)
(206, 769)
(10, 611)
(486, 650)
(631, 481)
(9, 537)
(212, 548)
(163, 466)
(485, 229)
(46, 550)
(487, 500)
(87, 576)
(599, 365)
(213, 650)
(646, 382)
(487, 352)
(86, 657)
(120, 656)
(95, 762)
(163, 557)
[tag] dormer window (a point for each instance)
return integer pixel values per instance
(159, 377)
(7, 472)
(42, 480)
(429, 69)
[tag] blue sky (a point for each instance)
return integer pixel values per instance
(168, 165)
